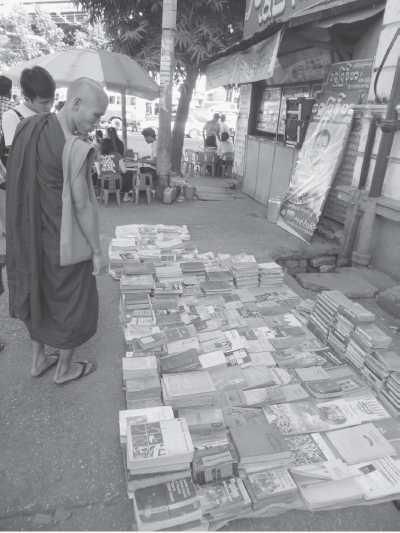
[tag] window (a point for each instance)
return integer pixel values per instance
(268, 110)
(112, 99)
(131, 100)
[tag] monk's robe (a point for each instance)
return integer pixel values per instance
(58, 304)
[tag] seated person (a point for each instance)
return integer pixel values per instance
(113, 135)
(96, 144)
(110, 161)
(151, 138)
(225, 145)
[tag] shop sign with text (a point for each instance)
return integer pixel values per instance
(260, 13)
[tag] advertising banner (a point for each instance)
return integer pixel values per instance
(260, 13)
(318, 162)
(242, 128)
(254, 64)
(349, 76)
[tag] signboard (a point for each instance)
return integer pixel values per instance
(260, 13)
(254, 64)
(242, 128)
(349, 76)
(318, 162)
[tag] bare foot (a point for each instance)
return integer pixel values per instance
(72, 373)
(43, 365)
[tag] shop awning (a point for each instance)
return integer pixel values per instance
(355, 16)
(254, 64)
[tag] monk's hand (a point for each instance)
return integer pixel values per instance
(99, 265)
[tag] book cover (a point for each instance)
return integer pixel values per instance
(313, 373)
(142, 416)
(258, 376)
(221, 496)
(210, 418)
(177, 334)
(229, 379)
(183, 345)
(190, 383)
(368, 409)
(270, 483)
(213, 360)
(168, 503)
(324, 389)
(259, 443)
(158, 439)
(179, 361)
(239, 417)
(360, 443)
(309, 449)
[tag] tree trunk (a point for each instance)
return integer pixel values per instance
(178, 133)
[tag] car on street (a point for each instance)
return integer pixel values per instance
(193, 127)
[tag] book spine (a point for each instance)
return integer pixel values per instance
(376, 366)
(216, 473)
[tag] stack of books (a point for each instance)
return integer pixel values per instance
(378, 367)
(143, 392)
(220, 275)
(216, 287)
(390, 394)
(195, 268)
(270, 274)
(224, 499)
(365, 339)
(189, 389)
(137, 284)
(169, 274)
(260, 447)
(140, 300)
(142, 416)
(166, 289)
(245, 270)
(340, 333)
(270, 486)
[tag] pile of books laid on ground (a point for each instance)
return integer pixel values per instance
(234, 407)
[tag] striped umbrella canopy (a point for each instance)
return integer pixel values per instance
(115, 72)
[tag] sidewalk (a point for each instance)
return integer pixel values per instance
(60, 446)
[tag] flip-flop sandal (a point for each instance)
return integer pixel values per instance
(49, 367)
(83, 374)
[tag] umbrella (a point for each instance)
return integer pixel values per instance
(115, 72)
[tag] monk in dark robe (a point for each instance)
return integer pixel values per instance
(58, 304)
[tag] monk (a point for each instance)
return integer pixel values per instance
(58, 304)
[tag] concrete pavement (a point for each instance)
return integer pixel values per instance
(59, 447)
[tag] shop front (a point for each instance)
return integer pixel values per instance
(300, 46)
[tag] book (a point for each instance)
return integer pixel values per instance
(368, 409)
(180, 362)
(258, 376)
(310, 449)
(311, 474)
(142, 416)
(255, 444)
(324, 389)
(307, 417)
(152, 341)
(223, 498)
(166, 504)
(313, 373)
(360, 443)
(200, 419)
(330, 494)
(135, 367)
(183, 345)
(240, 417)
(158, 443)
(265, 484)
(213, 360)
(215, 467)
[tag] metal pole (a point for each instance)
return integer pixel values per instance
(124, 125)
(165, 97)
(386, 143)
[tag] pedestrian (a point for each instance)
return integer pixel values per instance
(58, 304)
(150, 137)
(111, 162)
(5, 105)
(38, 88)
(112, 134)
(224, 126)
(211, 132)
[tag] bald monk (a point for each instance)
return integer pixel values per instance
(58, 304)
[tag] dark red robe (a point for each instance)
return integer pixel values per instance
(58, 304)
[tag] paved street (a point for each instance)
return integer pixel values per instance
(60, 447)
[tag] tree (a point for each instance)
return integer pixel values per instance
(23, 37)
(204, 27)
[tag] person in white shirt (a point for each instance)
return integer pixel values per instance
(225, 145)
(151, 138)
(224, 126)
(38, 89)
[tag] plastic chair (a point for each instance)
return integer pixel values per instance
(111, 187)
(209, 160)
(190, 156)
(226, 164)
(144, 182)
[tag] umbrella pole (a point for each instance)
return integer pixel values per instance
(124, 125)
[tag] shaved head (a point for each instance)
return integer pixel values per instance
(86, 103)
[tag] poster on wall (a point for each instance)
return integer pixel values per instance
(268, 110)
(318, 162)
(242, 128)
